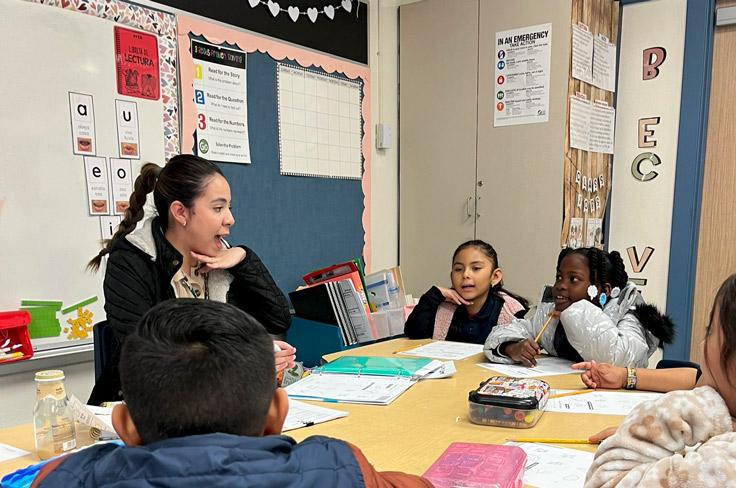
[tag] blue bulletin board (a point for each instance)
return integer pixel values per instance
(294, 223)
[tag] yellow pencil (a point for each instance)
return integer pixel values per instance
(12, 355)
(409, 348)
(551, 440)
(570, 393)
(544, 327)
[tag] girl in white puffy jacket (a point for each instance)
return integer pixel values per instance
(596, 315)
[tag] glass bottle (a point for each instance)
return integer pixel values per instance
(53, 420)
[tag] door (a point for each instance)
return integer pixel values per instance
(716, 251)
(438, 72)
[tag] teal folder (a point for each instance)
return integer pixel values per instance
(373, 365)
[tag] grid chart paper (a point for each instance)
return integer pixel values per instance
(320, 125)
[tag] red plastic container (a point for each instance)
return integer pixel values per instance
(14, 336)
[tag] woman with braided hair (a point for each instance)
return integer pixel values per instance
(595, 315)
(180, 251)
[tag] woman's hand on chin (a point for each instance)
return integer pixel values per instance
(225, 259)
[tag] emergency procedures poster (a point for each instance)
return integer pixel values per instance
(522, 58)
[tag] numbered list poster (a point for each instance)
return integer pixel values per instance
(522, 58)
(221, 101)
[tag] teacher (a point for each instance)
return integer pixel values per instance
(182, 253)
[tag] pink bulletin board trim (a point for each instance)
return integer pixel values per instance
(279, 51)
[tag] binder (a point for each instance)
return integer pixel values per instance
(336, 303)
(379, 366)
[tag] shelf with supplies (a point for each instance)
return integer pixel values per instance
(314, 339)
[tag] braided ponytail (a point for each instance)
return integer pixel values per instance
(619, 276)
(144, 184)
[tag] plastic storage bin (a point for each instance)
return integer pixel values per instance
(478, 466)
(508, 402)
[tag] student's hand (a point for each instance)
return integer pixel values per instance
(602, 435)
(452, 296)
(601, 375)
(285, 356)
(523, 352)
(225, 259)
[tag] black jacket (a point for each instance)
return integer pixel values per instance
(138, 276)
(463, 328)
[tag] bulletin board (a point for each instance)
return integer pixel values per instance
(295, 223)
(48, 229)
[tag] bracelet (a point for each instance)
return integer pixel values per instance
(630, 378)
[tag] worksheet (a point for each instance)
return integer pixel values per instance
(350, 388)
(547, 366)
(600, 402)
(554, 467)
(304, 415)
(9, 452)
(445, 350)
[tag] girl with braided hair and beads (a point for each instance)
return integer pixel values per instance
(178, 250)
(595, 315)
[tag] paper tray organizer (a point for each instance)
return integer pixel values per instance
(14, 337)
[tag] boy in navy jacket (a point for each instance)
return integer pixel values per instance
(202, 409)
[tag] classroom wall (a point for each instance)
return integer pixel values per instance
(18, 393)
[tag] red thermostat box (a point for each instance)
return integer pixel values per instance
(15, 343)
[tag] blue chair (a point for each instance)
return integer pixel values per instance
(673, 363)
(105, 343)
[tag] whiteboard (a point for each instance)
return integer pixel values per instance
(46, 233)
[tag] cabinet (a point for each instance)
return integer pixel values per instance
(461, 178)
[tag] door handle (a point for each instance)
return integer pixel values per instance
(467, 207)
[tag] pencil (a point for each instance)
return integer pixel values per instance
(544, 327)
(570, 393)
(12, 355)
(408, 348)
(551, 440)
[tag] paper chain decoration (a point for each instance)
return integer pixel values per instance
(312, 12)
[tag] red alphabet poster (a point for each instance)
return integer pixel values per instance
(136, 61)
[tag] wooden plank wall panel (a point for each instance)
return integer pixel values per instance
(601, 17)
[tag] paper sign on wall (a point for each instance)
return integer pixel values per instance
(604, 63)
(221, 100)
(98, 187)
(594, 233)
(582, 53)
(136, 63)
(522, 58)
(575, 239)
(128, 136)
(108, 226)
(82, 111)
(122, 184)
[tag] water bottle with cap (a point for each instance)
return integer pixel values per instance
(53, 420)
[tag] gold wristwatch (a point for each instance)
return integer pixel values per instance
(630, 378)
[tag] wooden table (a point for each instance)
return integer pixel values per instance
(412, 432)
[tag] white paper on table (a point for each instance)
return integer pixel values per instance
(548, 366)
(602, 123)
(350, 388)
(604, 63)
(99, 418)
(445, 350)
(303, 415)
(446, 369)
(600, 402)
(9, 452)
(582, 53)
(580, 109)
(554, 467)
